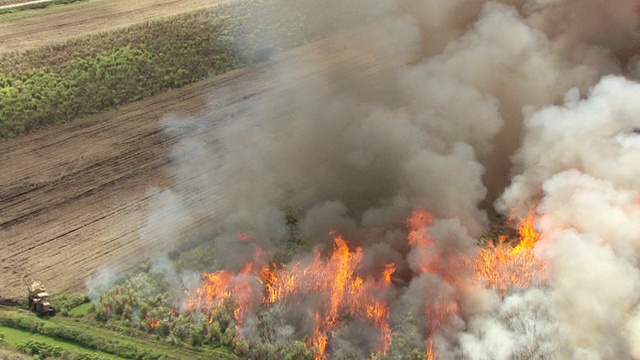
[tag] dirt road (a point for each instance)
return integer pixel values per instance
(62, 22)
(75, 198)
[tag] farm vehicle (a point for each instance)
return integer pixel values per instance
(39, 300)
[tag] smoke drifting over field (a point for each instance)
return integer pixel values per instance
(439, 106)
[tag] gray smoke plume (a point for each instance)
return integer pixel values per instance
(439, 106)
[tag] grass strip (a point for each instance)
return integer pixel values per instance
(36, 344)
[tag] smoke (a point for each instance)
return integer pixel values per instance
(589, 206)
(438, 106)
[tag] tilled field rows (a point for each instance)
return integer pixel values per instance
(74, 198)
(63, 22)
(77, 198)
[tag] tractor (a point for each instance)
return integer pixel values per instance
(39, 300)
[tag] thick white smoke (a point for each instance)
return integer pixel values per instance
(579, 162)
(440, 106)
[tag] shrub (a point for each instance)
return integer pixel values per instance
(41, 349)
(65, 303)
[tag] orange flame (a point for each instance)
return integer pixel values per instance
(153, 323)
(223, 289)
(503, 267)
(431, 354)
(441, 307)
(335, 280)
(346, 293)
(342, 293)
(527, 231)
(418, 223)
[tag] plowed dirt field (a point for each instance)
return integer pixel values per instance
(56, 24)
(76, 198)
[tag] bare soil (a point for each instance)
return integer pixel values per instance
(75, 198)
(55, 24)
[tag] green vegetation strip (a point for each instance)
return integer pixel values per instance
(61, 82)
(44, 346)
(83, 309)
(87, 335)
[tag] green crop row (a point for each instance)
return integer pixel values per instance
(44, 96)
(79, 337)
(42, 347)
(64, 304)
(43, 350)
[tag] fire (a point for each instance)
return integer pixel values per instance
(503, 267)
(388, 271)
(527, 231)
(431, 355)
(153, 323)
(422, 241)
(225, 289)
(336, 288)
(342, 292)
(418, 220)
(243, 236)
(440, 306)
(499, 266)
